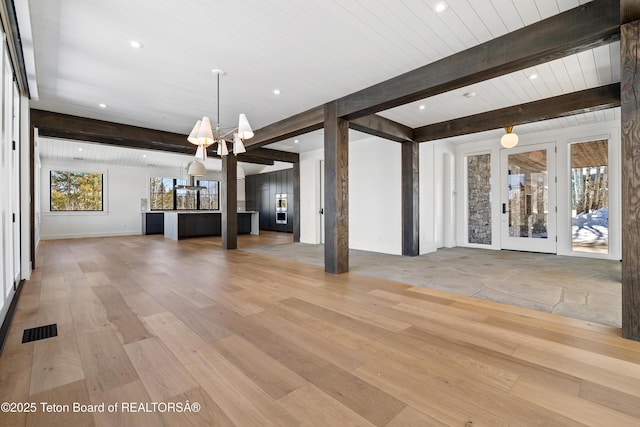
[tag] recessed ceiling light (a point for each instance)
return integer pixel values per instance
(533, 76)
(277, 91)
(295, 141)
(144, 156)
(80, 149)
(422, 107)
(440, 7)
(135, 44)
(102, 105)
(469, 94)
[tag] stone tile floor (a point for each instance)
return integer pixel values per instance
(582, 288)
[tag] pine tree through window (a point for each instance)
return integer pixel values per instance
(76, 191)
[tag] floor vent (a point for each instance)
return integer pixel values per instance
(40, 333)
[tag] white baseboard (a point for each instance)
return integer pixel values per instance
(427, 249)
(87, 235)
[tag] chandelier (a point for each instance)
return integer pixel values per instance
(203, 136)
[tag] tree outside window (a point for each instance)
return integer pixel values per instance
(165, 196)
(161, 194)
(76, 191)
(209, 198)
(185, 200)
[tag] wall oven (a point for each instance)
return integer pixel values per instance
(281, 217)
(281, 208)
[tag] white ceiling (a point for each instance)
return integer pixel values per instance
(313, 52)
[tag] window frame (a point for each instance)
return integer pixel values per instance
(82, 172)
(175, 194)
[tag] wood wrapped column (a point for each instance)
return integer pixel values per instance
(336, 191)
(630, 105)
(410, 199)
(229, 202)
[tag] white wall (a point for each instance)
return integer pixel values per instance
(437, 195)
(310, 196)
(428, 181)
(375, 196)
(375, 205)
(123, 188)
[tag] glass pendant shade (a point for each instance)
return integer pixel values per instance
(509, 139)
(196, 169)
(205, 134)
(244, 129)
(238, 146)
(193, 136)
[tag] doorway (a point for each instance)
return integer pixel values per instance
(321, 210)
(528, 199)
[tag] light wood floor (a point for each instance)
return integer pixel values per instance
(259, 341)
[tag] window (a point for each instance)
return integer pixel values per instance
(165, 196)
(185, 199)
(209, 198)
(590, 196)
(162, 194)
(76, 191)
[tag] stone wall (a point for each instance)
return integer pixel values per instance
(479, 198)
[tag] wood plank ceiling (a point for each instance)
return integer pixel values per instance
(80, 58)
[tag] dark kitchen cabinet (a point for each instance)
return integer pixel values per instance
(153, 223)
(249, 189)
(199, 224)
(260, 194)
(244, 223)
(266, 211)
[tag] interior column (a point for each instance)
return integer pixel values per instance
(410, 199)
(336, 191)
(630, 105)
(229, 202)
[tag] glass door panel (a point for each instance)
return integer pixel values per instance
(528, 209)
(590, 197)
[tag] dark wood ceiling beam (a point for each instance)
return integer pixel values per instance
(382, 127)
(559, 106)
(269, 154)
(244, 158)
(584, 27)
(313, 119)
(189, 150)
(57, 125)
(301, 123)
(103, 129)
(121, 142)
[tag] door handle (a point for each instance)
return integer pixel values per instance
(504, 208)
(321, 211)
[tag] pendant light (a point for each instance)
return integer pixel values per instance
(509, 139)
(203, 136)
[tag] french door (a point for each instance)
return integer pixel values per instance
(528, 196)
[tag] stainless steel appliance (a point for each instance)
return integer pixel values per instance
(281, 208)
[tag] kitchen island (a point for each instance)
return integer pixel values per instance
(183, 224)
